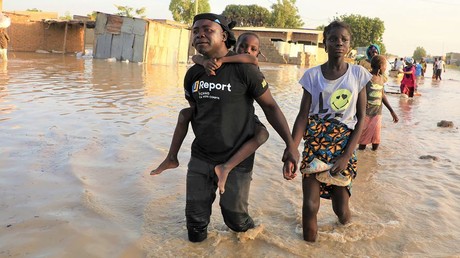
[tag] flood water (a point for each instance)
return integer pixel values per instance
(78, 138)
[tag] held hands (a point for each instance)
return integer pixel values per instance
(290, 158)
(289, 170)
(291, 154)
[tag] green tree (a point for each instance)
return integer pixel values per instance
(92, 16)
(34, 10)
(128, 11)
(419, 53)
(285, 15)
(321, 27)
(66, 16)
(365, 30)
(184, 10)
(247, 15)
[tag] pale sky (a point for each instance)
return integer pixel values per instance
(431, 24)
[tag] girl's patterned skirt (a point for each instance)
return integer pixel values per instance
(326, 139)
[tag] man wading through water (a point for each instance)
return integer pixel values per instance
(222, 121)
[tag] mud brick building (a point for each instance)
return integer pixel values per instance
(32, 31)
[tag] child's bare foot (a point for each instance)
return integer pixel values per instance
(168, 163)
(222, 173)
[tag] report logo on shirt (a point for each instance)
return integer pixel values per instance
(210, 86)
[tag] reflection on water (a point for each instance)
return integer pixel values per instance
(78, 137)
(405, 106)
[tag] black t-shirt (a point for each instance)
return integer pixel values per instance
(223, 118)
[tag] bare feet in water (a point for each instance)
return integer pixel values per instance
(222, 173)
(168, 163)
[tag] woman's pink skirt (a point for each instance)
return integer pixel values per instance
(371, 132)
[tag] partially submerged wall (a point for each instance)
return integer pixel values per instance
(140, 40)
(31, 35)
(167, 44)
(120, 37)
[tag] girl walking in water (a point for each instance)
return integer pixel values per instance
(375, 97)
(330, 120)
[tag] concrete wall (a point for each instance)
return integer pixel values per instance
(296, 37)
(300, 47)
(453, 58)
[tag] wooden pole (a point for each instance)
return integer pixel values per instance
(196, 12)
(65, 37)
(1, 6)
(196, 7)
(84, 37)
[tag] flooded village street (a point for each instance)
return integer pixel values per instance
(78, 138)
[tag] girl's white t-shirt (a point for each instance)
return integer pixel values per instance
(335, 98)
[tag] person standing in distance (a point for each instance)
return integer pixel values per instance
(440, 67)
(4, 39)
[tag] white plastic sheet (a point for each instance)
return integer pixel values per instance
(5, 21)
